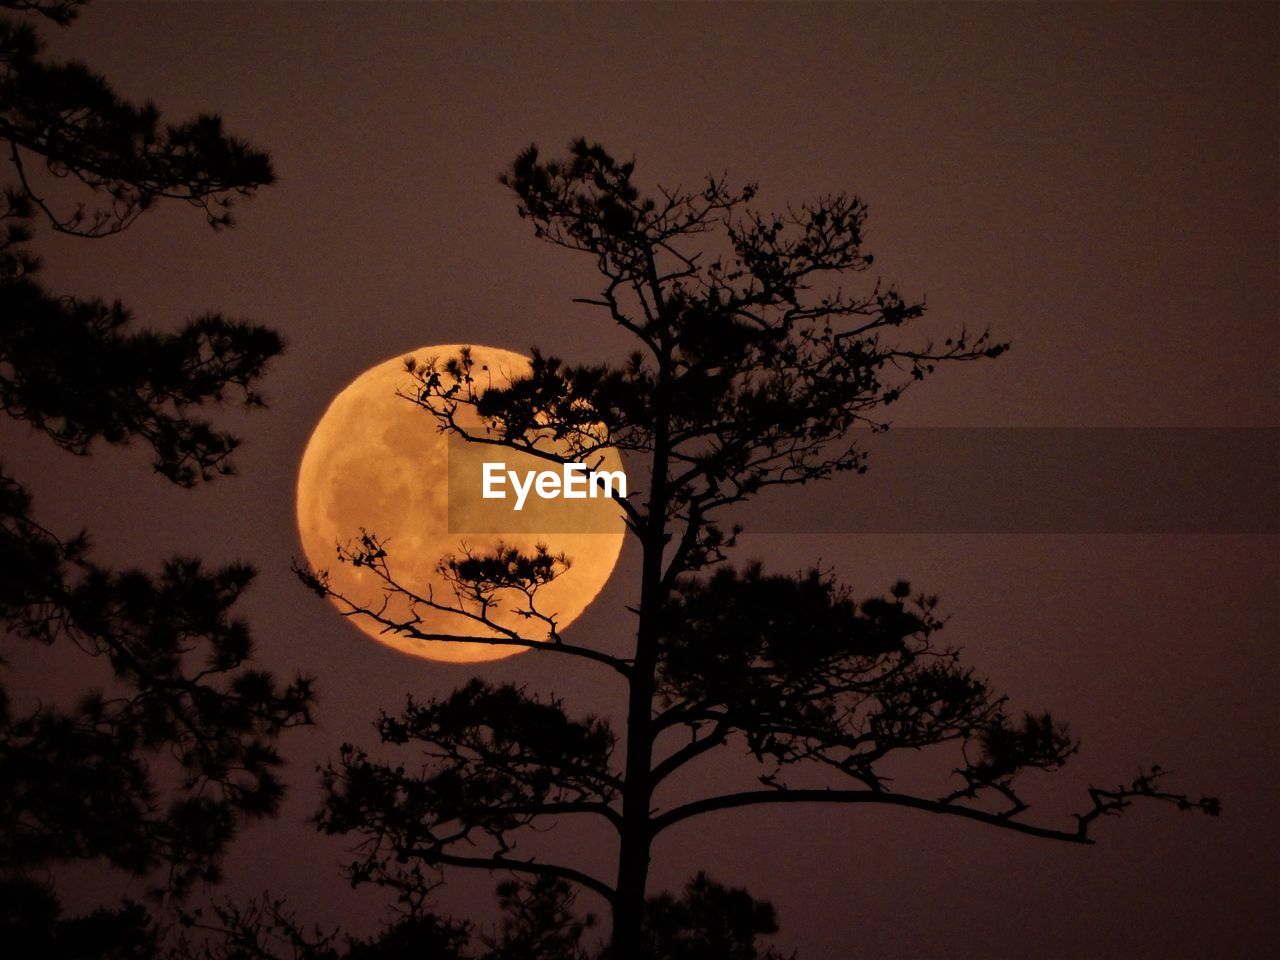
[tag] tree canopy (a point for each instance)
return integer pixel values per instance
(87, 780)
(759, 345)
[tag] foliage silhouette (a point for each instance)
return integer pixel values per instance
(539, 922)
(754, 359)
(264, 929)
(34, 927)
(88, 781)
(708, 922)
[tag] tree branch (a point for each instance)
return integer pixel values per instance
(1105, 802)
(753, 797)
(555, 809)
(508, 638)
(694, 748)
(527, 866)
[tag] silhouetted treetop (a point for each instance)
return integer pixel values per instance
(78, 369)
(756, 358)
(67, 119)
(539, 921)
(34, 926)
(153, 769)
(708, 920)
(759, 346)
(115, 383)
(78, 779)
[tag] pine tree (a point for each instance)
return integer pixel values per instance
(757, 353)
(79, 781)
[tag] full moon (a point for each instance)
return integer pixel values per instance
(379, 462)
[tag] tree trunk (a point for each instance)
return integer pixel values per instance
(636, 833)
(633, 847)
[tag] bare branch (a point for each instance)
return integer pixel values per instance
(532, 867)
(318, 583)
(1105, 802)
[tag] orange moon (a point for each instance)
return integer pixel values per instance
(377, 461)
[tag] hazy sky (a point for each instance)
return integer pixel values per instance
(1096, 182)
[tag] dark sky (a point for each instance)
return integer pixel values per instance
(1098, 183)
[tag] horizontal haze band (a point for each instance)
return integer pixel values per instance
(1069, 480)
(968, 480)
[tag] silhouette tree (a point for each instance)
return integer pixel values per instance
(84, 781)
(265, 929)
(707, 922)
(754, 359)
